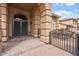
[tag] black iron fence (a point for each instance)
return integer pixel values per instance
(65, 40)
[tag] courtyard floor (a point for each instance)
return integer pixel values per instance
(30, 46)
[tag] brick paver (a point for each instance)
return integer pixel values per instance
(30, 46)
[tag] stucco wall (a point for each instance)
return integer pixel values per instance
(13, 11)
(55, 23)
(69, 22)
(61, 26)
(77, 20)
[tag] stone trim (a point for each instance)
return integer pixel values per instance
(45, 28)
(3, 28)
(35, 28)
(5, 36)
(40, 4)
(3, 14)
(45, 22)
(4, 22)
(3, 6)
(44, 35)
(45, 10)
(36, 15)
(35, 24)
(46, 15)
(35, 33)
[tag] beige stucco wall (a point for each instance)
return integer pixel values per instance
(61, 26)
(69, 22)
(55, 23)
(13, 11)
(77, 20)
(54, 20)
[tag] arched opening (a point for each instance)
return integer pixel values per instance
(20, 25)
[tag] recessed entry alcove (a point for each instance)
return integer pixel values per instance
(20, 25)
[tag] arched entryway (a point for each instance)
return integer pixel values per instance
(20, 25)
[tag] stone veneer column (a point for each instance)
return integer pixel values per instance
(0, 28)
(3, 22)
(36, 25)
(46, 21)
(35, 22)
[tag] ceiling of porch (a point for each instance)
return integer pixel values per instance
(24, 6)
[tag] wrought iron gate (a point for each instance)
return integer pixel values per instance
(65, 40)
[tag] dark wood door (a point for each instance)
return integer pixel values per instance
(24, 28)
(16, 28)
(20, 28)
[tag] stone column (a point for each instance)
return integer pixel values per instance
(36, 25)
(0, 28)
(3, 22)
(35, 22)
(46, 21)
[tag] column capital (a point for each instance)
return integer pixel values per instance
(45, 6)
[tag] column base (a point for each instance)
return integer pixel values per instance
(4, 39)
(44, 39)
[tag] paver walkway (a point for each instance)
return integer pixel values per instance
(30, 46)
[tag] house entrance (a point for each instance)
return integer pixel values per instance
(20, 25)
